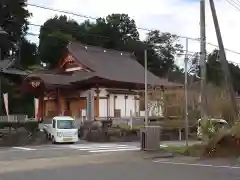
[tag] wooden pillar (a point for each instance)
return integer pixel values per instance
(114, 105)
(125, 106)
(97, 91)
(44, 107)
(135, 105)
(108, 105)
(40, 106)
(58, 97)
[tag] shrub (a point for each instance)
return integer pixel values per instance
(207, 129)
(224, 143)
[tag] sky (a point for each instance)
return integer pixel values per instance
(180, 17)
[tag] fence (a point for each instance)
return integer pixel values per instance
(134, 121)
(14, 118)
(128, 121)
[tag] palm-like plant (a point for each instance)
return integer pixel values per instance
(207, 130)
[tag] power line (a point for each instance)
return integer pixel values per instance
(95, 35)
(229, 50)
(106, 37)
(62, 11)
(94, 18)
(234, 4)
(32, 34)
(190, 53)
(140, 28)
(73, 30)
(83, 33)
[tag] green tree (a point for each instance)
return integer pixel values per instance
(214, 70)
(123, 26)
(167, 48)
(14, 20)
(28, 53)
(116, 31)
(54, 37)
(215, 74)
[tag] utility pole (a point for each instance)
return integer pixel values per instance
(203, 59)
(223, 60)
(146, 88)
(186, 93)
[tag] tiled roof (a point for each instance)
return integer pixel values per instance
(7, 67)
(114, 65)
(106, 64)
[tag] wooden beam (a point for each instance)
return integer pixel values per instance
(97, 102)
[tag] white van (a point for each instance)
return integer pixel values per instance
(217, 124)
(62, 130)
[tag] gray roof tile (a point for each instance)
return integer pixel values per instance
(107, 64)
(114, 65)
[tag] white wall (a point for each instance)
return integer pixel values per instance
(103, 108)
(103, 93)
(120, 104)
(155, 109)
(111, 105)
(131, 103)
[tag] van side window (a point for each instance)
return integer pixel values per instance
(54, 123)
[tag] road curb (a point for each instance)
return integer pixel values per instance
(155, 154)
(165, 155)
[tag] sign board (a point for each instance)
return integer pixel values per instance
(35, 84)
(90, 105)
(73, 69)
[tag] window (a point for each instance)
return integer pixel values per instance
(66, 124)
(54, 123)
(117, 112)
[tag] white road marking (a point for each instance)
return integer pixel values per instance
(198, 165)
(104, 147)
(114, 150)
(96, 145)
(107, 148)
(92, 148)
(163, 145)
(24, 148)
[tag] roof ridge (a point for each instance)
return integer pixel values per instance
(102, 49)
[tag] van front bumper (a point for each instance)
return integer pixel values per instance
(66, 140)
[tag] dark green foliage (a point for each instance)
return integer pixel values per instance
(215, 74)
(28, 54)
(13, 19)
(116, 31)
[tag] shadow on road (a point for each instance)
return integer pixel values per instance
(21, 138)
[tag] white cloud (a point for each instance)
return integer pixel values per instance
(176, 16)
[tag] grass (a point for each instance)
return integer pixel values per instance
(196, 150)
(175, 149)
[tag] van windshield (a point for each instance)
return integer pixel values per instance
(66, 124)
(217, 124)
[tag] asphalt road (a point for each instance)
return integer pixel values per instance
(64, 150)
(130, 170)
(106, 161)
